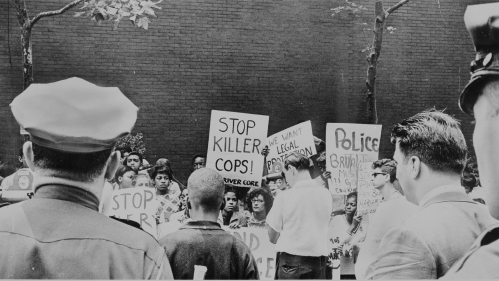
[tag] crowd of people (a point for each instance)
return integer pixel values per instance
(427, 226)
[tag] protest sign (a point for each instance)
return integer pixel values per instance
(368, 198)
(136, 204)
(297, 138)
(348, 145)
(235, 145)
(257, 239)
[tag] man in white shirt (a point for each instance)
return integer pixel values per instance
(392, 211)
(298, 223)
(431, 152)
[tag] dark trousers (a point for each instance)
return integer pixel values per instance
(300, 267)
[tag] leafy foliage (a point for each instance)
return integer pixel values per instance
(138, 12)
(349, 6)
(134, 142)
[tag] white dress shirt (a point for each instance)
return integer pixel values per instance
(301, 216)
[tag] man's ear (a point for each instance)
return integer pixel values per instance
(29, 156)
(112, 165)
(415, 166)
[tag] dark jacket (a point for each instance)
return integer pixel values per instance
(60, 235)
(206, 243)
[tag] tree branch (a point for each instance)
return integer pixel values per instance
(396, 6)
(22, 14)
(54, 13)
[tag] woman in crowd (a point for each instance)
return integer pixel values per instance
(167, 163)
(167, 193)
(341, 230)
(162, 178)
(124, 177)
(230, 215)
(259, 202)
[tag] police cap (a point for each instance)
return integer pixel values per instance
(74, 115)
(482, 22)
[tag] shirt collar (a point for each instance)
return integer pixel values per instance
(440, 190)
(304, 183)
(394, 195)
(68, 193)
(201, 225)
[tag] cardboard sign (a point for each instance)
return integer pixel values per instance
(235, 146)
(297, 138)
(368, 198)
(137, 204)
(257, 239)
(348, 145)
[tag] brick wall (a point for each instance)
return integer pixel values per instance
(288, 59)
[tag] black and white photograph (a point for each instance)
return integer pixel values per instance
(249, 139)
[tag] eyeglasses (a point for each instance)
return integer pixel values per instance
(376, 174)
(256, 201)
(133, 160)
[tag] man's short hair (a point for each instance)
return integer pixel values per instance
(165, 170)
(21, 152)
(123, 170)
(297, 160)
(387, 166)
(206, 188)
(435, 138)
(69, 165)
(135, 153)
(199, 155)
(7, 169)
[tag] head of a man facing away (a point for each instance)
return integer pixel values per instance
(296, 168)
(430, 151)
(73, 125)
(206, 194)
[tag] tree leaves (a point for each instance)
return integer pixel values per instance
(391, 29)
(138, 12)
(134, 142)
(349, 6)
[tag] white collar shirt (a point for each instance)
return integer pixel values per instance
(301, 216)
(440, 190)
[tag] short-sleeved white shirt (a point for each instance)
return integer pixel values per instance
(301, 216)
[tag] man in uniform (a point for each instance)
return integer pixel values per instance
(480, 98)
(74, 126)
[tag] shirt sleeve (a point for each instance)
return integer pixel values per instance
(403, 254)
(275, 218)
